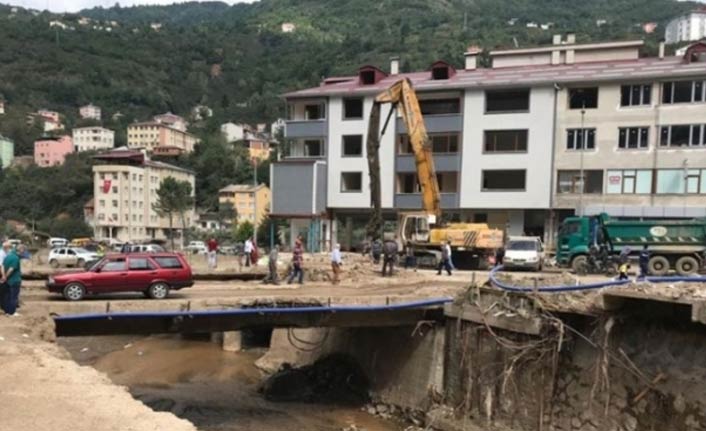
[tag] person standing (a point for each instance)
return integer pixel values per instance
(272, 276)
(376, 250)
(248, 251)
(297, 262)
(499, 256)
(212, 245)
(389, 251)
(336, 263)
(644, 261)
(445, 258)
(11, 280)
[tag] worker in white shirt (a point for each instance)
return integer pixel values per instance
(336, 263)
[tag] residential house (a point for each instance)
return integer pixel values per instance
(210, 222)
(51, 120)
(201, 112)
(251, 203)
(234, 132)
(90, 112)
(172, 120)
(160, 138)
(93, 138)
(256, 140)
(125, 186)
(619, 133)
(7, 151)
(52, 151)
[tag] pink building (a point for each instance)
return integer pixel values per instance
(52, 151)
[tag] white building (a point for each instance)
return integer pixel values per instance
(2, 107)
(201, 112)
(288, 27)
(686, 28)
(277, 127)
(90, 112)
(234, 132)
(172, 120)
(93, 139)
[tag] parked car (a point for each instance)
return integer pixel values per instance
(196, 247)
(153, 274)
(57, 242)
(71, 256)
(524, 252)
(146, 248)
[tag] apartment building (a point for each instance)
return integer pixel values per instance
(686, 28)
(255, 139)
(125, 184)
(52, 151)
(90, 112)
(7, 152)
(172, 120)
(93, 139)
(507, 140)
(251, 203)
(156, 137)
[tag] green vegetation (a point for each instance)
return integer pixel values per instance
(236, 60)
(173, 198)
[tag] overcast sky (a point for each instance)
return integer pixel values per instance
(76, 5)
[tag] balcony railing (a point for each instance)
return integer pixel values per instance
(305, 128)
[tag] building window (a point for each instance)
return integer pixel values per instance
(353, 109)
(504, 180)
(573, 182)
(309, 148)
(583, 98)
(448, 182)
(635, 95)
(440, 106)
(507, 101)
(682, 135)
(581, 139)
(407, 183)
(101, 203)
(505, 141)
(633, 137)
(441, 143)
(352, 145)
(680, 181)
(115, 204)
(629, 181)
(351, 182)
(101, 217)
(315, 111)
(683, 92)
(115, 189)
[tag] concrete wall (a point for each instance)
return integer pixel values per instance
(536, 162)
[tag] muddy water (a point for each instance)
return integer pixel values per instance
(215, 390)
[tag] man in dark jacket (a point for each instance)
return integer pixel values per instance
(376, 250)
(297, 262)
(644, 260)
(389, 251)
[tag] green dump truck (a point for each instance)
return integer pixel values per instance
(678, 245)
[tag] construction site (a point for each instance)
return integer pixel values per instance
(416, 351)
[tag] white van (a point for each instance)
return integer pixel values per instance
(57, 242)
(524, 252)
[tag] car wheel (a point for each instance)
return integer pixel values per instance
(74, 292)
(687, 265)
(158, 290)
(81, 263)
(54, 263)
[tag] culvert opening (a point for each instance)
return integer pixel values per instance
(256, 338)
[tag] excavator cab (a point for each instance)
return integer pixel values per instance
(415, 228)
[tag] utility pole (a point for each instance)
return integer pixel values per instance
(582, 179)
(255, 213)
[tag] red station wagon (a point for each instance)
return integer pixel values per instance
(153, 274)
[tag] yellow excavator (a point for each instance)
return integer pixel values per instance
(422, 233)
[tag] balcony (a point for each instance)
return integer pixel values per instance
(413, 201)
(437, 123)
(305, 128)
(298, 188)
(442, 163)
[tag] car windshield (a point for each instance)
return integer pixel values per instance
(97, 265)
(522, 245)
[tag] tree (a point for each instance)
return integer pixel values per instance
(226, 213)
(244, 231)
(173, 198)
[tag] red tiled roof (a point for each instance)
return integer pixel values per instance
(604, 71)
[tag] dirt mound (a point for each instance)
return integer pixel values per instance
(334, 379)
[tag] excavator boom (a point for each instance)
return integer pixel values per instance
(401, 95)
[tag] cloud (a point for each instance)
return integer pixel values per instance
(77, 5)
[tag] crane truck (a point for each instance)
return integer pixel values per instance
(678, 245)
(423, 232)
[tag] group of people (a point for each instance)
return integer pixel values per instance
(250, 252)
(624, 262)
(10, 278)
(297, 268)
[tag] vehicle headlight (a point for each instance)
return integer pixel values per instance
(533, 259)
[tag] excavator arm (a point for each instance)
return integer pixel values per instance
(402, 96)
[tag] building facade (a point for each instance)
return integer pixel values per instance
(158, 137)
(125, 184)
(93, 139)
(7, 152)
(250, 203)
(90, 112)
(172, 120)
(52, 151)
(256, 140)
(686, 28)
(511, 143)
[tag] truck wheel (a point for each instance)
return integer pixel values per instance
(687, 265)
(658, 265)
(579, 264)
